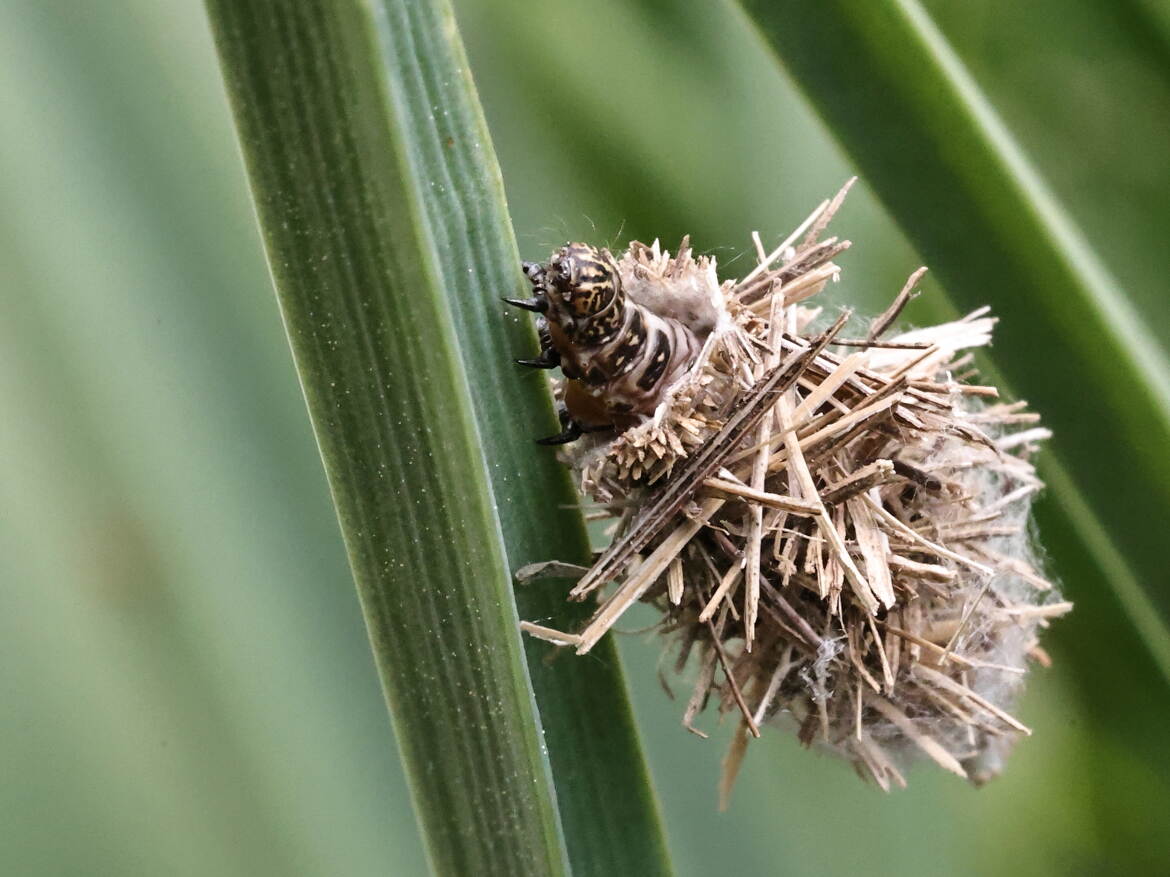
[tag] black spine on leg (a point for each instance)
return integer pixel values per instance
(570, 433)
(549, 358)
(536, 304)
(570, 429)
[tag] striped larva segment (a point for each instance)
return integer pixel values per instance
(617, 355)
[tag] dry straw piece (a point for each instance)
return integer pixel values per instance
(834, 529)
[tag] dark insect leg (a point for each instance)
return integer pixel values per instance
(570, 433)
(534, 272)
(570, 430)
(537, 304)
(549, 358)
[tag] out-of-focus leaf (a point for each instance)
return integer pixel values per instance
(925, 138)
(156, 718)
(718, 168)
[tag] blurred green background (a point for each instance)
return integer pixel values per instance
(185, 685)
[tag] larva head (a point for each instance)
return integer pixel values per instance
(583, 287)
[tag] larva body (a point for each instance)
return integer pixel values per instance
(618, 356)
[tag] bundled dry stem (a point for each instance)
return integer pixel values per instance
(836, 528)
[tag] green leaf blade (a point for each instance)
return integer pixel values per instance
(607, 803)
(384, 220)
(381, 375)
(933, 149)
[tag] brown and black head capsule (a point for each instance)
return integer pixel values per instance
(584, 291)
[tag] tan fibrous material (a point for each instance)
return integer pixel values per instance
(834, 528)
